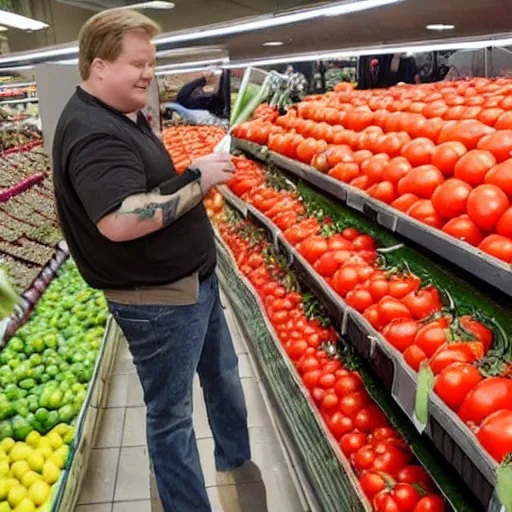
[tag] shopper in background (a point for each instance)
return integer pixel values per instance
(139, 231)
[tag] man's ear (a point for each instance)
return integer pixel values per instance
(98, 66)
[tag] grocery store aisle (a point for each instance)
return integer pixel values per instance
(118, 478)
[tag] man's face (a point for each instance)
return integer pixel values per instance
(125, 81)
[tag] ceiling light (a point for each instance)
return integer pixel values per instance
(17, 21)
(196, 63)
(440, 26)
(3, 29)
(276, 20)
(183, 71)
(149, 5)
(273, 43)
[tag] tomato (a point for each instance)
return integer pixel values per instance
(339, 425)
(350, 234)
(490, 116)
(498, 246)
(406, 497)
(501, 176)
(404, 202)
(371, 484)
(345, 171)
(383, 433)
(351, 404)
(478, 330)
(455, 382)
(415, 475)
(446, 155)
(504, 122)
(400, 333)
(469, 132)
(473, 166)
(383, 191)
(374, 167)
(431, 503)
(348, 384)
(359, 300)
(418, 151)
(485, 205)
(504, 226)
(464, 352)
(297, 349)
(384, 502)
(435, 109)
(391, 456)
(422, 303)
(390, 308)
(326, 381)
(421, 181)
(431, 128)
(364, 457)
(313, 247)
(361, 182)
(327, 264)
(329, 402)
(498, 143)
(338, 242)
(430, 337)
(414, 356)
(372, 315)
(495, 434)
(370, 418)
(463, 228)
(378, 288)
(450, 198)
(307, 149)
(309, 364)
(396, 169)
(351, 443)
(345, 280)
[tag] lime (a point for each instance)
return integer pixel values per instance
(15, 344)
(21, 428)
(66, 414)
(6, 410)
(53, 419)
(27, 383)
(35, 360)
(52, 370)
(5, 429)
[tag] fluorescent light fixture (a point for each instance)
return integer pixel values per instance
(66, 62)
(273, 43)
(3, 29)
(276, 20)
(183, 71)
(148, 5)
(439, 26)
(55, 52)
(196, 63)
(17, 21)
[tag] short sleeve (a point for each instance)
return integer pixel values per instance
(104, 171)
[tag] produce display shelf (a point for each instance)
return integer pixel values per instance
(444, 428)
(329, 472)
(88, 422)
(469, 258)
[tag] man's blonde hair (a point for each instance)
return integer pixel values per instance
(102, 36)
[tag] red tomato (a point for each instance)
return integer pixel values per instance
(327, 264)
(414, 356)
(396, 169)
(445, 156)
(455, 382)
(348, 384)
(418, 151)
(350, 234)
(415, 475)
(399, 287)
(363, 242)
(404, 202)
(431, 337)
(391, 456)
(326, 381)
(383, 191)
(313, 247)
(485, 205)
(504, 226)
(371, 484)
(345, 280)
(421, 181)
(351, 404)
(463, 228)
(501, 176)
(359, 299)
(406, 497)
(450, 198)
(351, 443)
(339, 425)
(307, 149)
(464, 352)
(469, 132)
(498, 143)
(423, 303)
(390, 308)
(370, 418)
(432, 503)
(401, 332)
(495, 434)
(423, 211)
(498, 246)
(478, 330)
(473, 166)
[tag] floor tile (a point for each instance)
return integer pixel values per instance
(256, 409)
(135, 394)
(244, 366)
(118, 392)
(123, 366)
(110, 430)
(133, 475)
(135, 427)
(239, 498)
(102, 507)
(99, 484)
(132, 506)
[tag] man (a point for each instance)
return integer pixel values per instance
(139, 232)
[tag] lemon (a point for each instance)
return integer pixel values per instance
(4, 489)
(39, 492)
(12, 482)
(19, 468)
(36, 461)
(29, 478)
(20, 451)
(5, 507)
(4, 456)
(44, 448)
(33, 439)
(16, 495)
(25, 506)
(7, 444)
(4, 469)
(62, 429)
(70, 436)
(51, 472)
(55, 440)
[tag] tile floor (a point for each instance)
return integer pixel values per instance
(118, 477)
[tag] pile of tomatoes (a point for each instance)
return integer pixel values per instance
(408, 314)
(440, 153)
(184, 143)
(381, 458)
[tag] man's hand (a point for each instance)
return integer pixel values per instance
(216, 168)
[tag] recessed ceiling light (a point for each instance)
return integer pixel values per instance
(440, 26)
(273, 43)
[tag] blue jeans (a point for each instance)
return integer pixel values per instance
(169, 344)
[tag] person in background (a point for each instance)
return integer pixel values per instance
(402, 69)
(140, 232)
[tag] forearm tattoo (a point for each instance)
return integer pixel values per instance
(145, 206)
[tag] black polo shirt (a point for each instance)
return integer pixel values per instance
(100, 157)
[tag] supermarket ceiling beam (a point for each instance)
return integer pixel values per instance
(247, 25)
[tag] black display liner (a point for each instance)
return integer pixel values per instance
(444, 428)
(490, 270)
